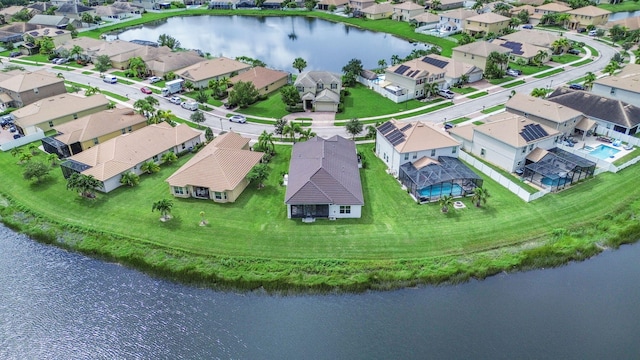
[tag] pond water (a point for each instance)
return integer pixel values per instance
(60, 305)
(277, 41)
(623, 15)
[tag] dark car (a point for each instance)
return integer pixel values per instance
(448, 125)
(527, 26)
(573, 51)
(576, 87)
(15, 54)
(581, 30)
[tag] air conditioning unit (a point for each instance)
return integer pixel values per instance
(332, 217)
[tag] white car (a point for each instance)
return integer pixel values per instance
(175, 100)
(593, 32)
(154, 79)
(238, 118)
(512, 72)
(447, 94)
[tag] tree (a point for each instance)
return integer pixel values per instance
(465, 39)
(168, 41)
(46, 45)
(306, 134)
(169, 157)
(143, 107)
(611, 68)
(502, 9)
(480, 196)
(258, 174)
(23, 15)
(446, 202)
(202, 96)
(15, 151)
(103, 63)
(91, 90)
(150, 167)
(299, 64)
(310, 4)
(382, 64)
(372, 131)
(540, 57)
(197, 117)
(72, 29)
(351, 71)
(137, 67)
(430, 88)
(33, 148)
(618, 32)
(265, 142)
(436, 4)
(36, 170)
(129, 178)
(589, 79)
(24, 157)
(244, 93)
(523, 16)
(290, 95)
(164, 206)
(561, 45)
(163, 115)
(87, 18)
(514, 22)
(76, 51)
(354, 127)
(53, 159)
(188, 85)
(84, 184)
(279, 125)
(539, 92)
(562, 19)
(395, 59)
(208, 134)
(292, 129)
(496, 64)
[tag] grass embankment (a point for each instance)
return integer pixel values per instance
(251, 244)
(628, 5)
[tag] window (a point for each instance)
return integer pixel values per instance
(483, 152)
(454, 149)
(334, 86)
(220, 195)
(184, 146)
(406, 156)
(530, 147)
(299, 88)
(178, 190)
(36, 90)
(345, 209)
(130, 128)
(320, 86)
(613, 91)
(75, 116)
(123, 130)
(433, 152)
(95, 141)
(415, 155)
(155, 158)
(50, 123)
(524, 149)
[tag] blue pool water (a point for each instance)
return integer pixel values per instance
(554, 182)
(603, 152)
(441, 189)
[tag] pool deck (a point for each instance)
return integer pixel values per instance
(593, 142)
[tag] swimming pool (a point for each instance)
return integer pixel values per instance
(441, 189)
(603, 152)
(554, 182)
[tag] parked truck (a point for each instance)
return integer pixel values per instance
(172, 87)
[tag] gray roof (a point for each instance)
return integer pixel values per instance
(311, 78)
(49, 20)
(73, 8)
(598, 107)
(324, 172)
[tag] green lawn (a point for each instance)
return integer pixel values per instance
(515, 83)
(477, 95)
(565, 58)
(463, 90)
(387, 246)
(493, 109)
(529, 69)
(500, 80)
(364, 102)
(594, 52)
(272, 107)
(583, 62)
(477, 122)
(627, 5)
(459, 120)
(549, 73)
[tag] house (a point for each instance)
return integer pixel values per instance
(127, 152)
(486, 23)
(162, 60)
(378, 11)
(9, 11)
(398, 143)
(404, 11)
(358, 5)
(276, 4)
(476, 53)
(624, 86)
(588, 16)
(25, 88)
(118, 10)
(40, 7)
(506, 139)
(265, 80)
(543, 39)
(327, 5)
(425, 21)
(215, 69)
(425, 160)
(407, 80)
(57, 21)
(319, 90)
(218, 171)
(514, 11)
(523, 50)
(445, 4)
(631, 23)
(548, 113)
(549, 8)
(58, 36)
(75, 136)
(74, 10)
(455, 70)
(13, 33)
(46, 113)
(607, 113)
(454, 20)
(324, 180)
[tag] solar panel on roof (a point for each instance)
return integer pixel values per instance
(415, 73)
(401, 69)
(435, 62)
(408, 126)
(59, 32)
(33, 33)
(515, 47)
(397, 141)
(386, 127)
(532, 132)
(410, 73)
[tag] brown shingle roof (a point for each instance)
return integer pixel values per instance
(589, 11)
(481, 48)
(260, 76)
(220, 166)
(29, 81)
(541, 108)
(55, 107)
(324, 172)
(210, 69)
(98, 124)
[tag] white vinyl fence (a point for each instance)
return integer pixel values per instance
(22, 140)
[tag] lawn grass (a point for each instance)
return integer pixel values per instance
(515, 179)
(459, 120)
(529, 69)
(251, 244)
(512, 84)
(628, 157)
(565, 58)
(493, 109)
(478, 122)
(623, 6)
(364, 102)
(594, 52)
(463, 90)
(499, 81)
(549, 73)
(272, 107)
(477, 95)
(583, 62)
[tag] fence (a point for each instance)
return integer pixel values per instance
(22, 141)
(501, 179)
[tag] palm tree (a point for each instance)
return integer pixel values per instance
(129, 178)
(502, 9)
(25, 156)
(164, 207)
(292, 129)
(306, 134)
(92, 90)
(430, 88)
(137, 66)
(353, 127)
(259, 174)
(446, 202)
(53, 159)
(265, 142)
(480, 195)
(562, 18)
(382, 64)
(163, 115)
(539, 92)
(151, 100)
(589, 79)
(169, 157)
(299, 64)
(84, 184)
(395, 59)
(611, 68)
(143, 107)
(540, 57)
(150, 167)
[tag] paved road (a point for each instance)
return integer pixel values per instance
(217, 120)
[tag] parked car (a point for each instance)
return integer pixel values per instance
(573, 51)
(448, 125)
(190, 105)
(446, 93)
(175, 100)
(12, 128)
(513, 72)
(576, 87)
(55, 60)
(61, 61)
(593, 32)
(154, 79)
(6, 120)
(238, 118)
(527, 26)
(17, 136)
(15, 54)
(581, 30)
(146, 90)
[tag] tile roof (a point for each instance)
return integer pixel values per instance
(378, 9)
(554, 7)
(541, 108)
(508, 128)
(408, 5)
(122, 153)
(324, 172)
(219, 166)
(55, 107)
(481, 48)
(489, 18)
(599, 107)
(172, 61)
(628, 79)
(534, 37)
(260, 76)
(30, 80)
(525, 50)
(209, 69)
(97, 124)
(426, 17)
(589, 10)
(418, 136)
(458, 14)
(416, 68)
(631, 23)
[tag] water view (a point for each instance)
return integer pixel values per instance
(60, 305)
(278, 40)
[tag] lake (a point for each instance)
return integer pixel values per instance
(60, 305)
(277, 41)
